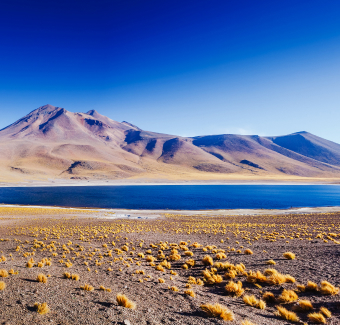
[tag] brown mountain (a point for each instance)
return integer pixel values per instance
(51, 142)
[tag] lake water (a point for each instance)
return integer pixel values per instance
(177, 197)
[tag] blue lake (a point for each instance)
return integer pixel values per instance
(177, 197)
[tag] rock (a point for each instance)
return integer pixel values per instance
(127, 322)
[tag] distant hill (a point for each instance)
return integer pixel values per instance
(51, 142)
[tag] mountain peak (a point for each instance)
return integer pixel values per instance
(92, 112)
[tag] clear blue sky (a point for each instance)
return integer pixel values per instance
(179, 67)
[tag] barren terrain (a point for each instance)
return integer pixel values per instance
(115, 255)
(52, 144)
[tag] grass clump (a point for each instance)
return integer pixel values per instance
(2, 285)
(286, 314)
(325, 312)
(289, 255)
(42, 278)
(3, 273)
(42, 308)
(87, 287)
(234, 288)
(124, 301)
(288, 296)
(190, 293)
(268, 296)
(252, 301)
(248, 252)
(317, 318)
(218, 311)
(327, 288)
(271, 262)
(304, 305)
(207, 260)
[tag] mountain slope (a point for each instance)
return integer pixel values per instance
(51, 142)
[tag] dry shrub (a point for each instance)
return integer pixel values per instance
(220, 256)
(248, 252)
(270, 272)
(234, 288)
(67, 275)
(286, 314)
(247, 322)
(252, 301)
(218, 311)
(327, 288)
(311, 286)
(3, 273)
(276, 279)
(289, 255)
(268, 296)
(2, 285)
(254, 277)
(87, 287)
(304, 306)
(75, 277)
(317, 318)
(124, 301)
(207, 260)
(211, 278)
(325, 312)
(190, 293)
(42, 308)
(288, 296)
(42, 278)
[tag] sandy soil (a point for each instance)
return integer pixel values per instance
(79, 236)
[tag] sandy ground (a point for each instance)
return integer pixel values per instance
(111, 244)
(229, 179)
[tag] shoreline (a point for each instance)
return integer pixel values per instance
(135, 213)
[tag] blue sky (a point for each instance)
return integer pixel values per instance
(180, 67)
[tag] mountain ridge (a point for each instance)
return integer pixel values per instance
(52, 142)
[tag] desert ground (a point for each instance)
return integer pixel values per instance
(71, 266)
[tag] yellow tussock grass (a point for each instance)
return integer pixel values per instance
(325, 312)
(289, 255)
(276, 279)
(3, 273)
(271, 262)
(268, 296)
(247, 322)
(311, 286)
(218, 311)
(327, 288)
(248, 252)
(124, 301)
(190, 293)
(42, 308)
(75, 277)
(87, 287)
(207, 260)
(160, 280)
(286, 314)
(174, 288)
(288, 296)
(234, 288)
(304, 306)
(252, 301)
(42, 278)
(317, 318)
(67, 275)
(2, 285)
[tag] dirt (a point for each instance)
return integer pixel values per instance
(316, 260)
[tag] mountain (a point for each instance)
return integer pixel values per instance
(51, 142)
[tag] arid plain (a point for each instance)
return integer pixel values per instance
(72, 266)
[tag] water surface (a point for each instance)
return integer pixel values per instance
(177, 197)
